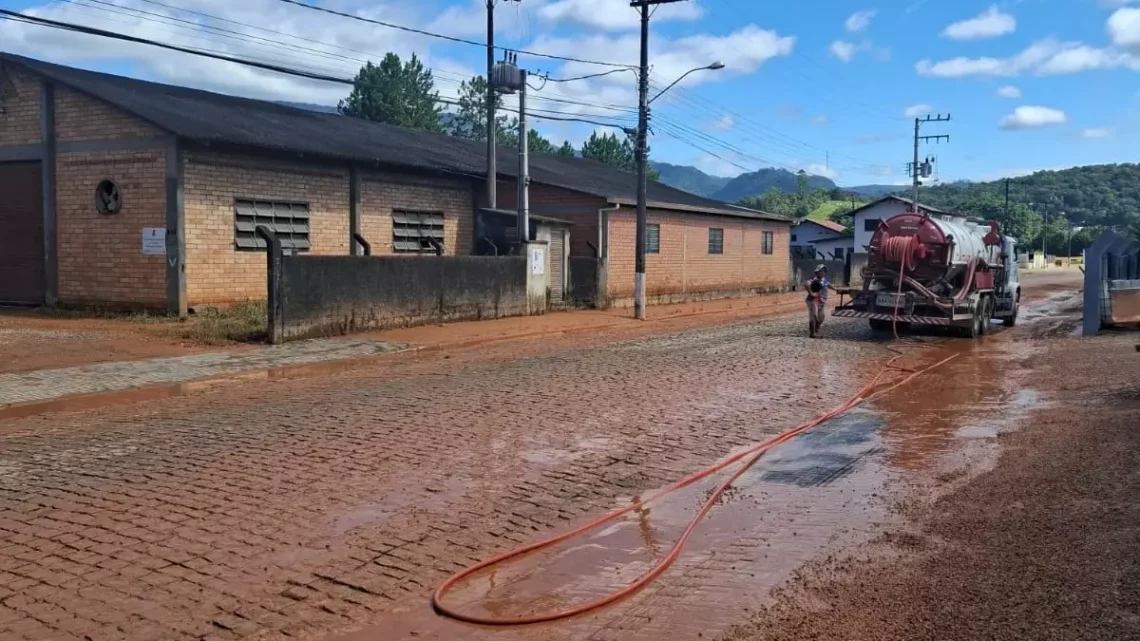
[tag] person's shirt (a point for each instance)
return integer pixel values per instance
(823, 285)
(815, 288)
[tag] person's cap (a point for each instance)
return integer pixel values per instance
(820, 268)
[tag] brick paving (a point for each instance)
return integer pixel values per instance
(47, 384)
(340, 502)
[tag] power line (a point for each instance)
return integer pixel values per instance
(65, 26)
(242, 37)
(441, 36)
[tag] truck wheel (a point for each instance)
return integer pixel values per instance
(1011, 320)
(974, 329)
(986, 314)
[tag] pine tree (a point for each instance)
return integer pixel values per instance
(396, 93)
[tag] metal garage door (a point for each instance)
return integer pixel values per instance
(21, 233)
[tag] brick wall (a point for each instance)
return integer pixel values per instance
(684, 268)
(19, 112)
(100, 256)
(381, 193)
(215, 271)
(79, 118)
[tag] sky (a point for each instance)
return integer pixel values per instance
(828, 86)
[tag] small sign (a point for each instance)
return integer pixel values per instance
(154, 241)
(537, 261)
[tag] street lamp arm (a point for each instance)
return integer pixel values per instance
(713, 67)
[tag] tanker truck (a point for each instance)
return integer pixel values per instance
(935, 270)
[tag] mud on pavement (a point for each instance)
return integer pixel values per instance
(1041, 546)
(332, 506)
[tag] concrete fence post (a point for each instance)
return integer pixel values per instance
(273, 266)
(537, 276)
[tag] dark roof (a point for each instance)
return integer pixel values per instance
(512, 213)
(208, 117)
(905, 201)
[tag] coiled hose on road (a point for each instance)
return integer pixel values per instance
(746, 458)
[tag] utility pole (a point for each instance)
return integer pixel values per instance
(642, 153)
(492, 171)
(917, 170)
(524, 166)
(1007, 198)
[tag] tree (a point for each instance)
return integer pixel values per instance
(566, 149)
(470, 119)
(396, 93)
(616, 152)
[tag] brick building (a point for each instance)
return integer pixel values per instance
(140, 194)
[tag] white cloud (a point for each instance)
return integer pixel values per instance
(820, 120)
(1009, 91)
(989, 24)
(1096, 132)
(1033, 118)
(725, 123)
(917, 111)
(817, 169)
(1124, 28)
(1045, 57)
(845, 51)
(722, 166)
(860, 20)
(614, 16)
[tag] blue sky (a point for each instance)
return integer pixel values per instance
(822, 85)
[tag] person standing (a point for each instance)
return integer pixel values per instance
(817, 300)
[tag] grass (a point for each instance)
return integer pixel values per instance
(824, 211)
(245, 322)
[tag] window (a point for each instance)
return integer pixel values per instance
(716, 241)
(871, 225)
(766, 243)
(793, 238)
(289, 221)
(838, 253)
(413, 231)
(653, 239)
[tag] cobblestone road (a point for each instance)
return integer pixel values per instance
(294, 508)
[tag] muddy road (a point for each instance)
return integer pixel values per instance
(330, 507)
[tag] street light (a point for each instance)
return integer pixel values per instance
(643, 156)
(716, 66)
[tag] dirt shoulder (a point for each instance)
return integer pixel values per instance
(1041, 547)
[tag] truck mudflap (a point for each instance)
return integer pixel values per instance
(913, 320)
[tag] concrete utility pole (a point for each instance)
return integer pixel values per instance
(642, 154)
(918, 171)
(492, 171)
(524, 166)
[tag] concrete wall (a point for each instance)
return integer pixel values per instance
(331, 295)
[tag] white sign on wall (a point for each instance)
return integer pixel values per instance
(537, 261)
(154, 241)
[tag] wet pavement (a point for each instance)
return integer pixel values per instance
(334, 509)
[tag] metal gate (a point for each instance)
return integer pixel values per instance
(21, 233)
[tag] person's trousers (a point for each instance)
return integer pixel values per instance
(815, 316)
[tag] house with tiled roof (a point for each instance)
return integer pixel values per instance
(137, 193)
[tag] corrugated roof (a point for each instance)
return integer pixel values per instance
(907, 201)
(208, 117)
(826, 224)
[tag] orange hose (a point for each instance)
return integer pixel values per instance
(749, 456)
